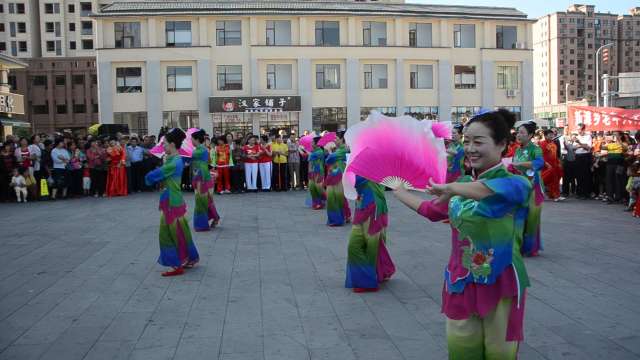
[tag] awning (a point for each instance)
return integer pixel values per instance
(7, 121)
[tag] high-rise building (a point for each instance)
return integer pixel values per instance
(565, 45)
(56, 39)
(302, 65)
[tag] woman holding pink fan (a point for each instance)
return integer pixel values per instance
(485, 280)
(316, 175)
(338, 212)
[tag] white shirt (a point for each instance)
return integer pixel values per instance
(35, 150)
(19, 181)
(584, 140)
(56, 154)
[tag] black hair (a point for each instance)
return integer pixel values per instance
(340, 134)
(458, 128)
(222, 138)
(499, 122)
(23, 138)
(48, 142)
(33, 137)
(199, 135)
(265, 138)
(57, 141)
(530, 126)
(175, 136)
(22, 170)
(316, 139)
(547, 132)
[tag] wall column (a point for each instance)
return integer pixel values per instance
(400, 86)
(527, 90)
(445, 89)
(488, 84)
(203, 73)
(105, 92)
(353, 91)
(255, 81)
(153, 89)
(305, 90)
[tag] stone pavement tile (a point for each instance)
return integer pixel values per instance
(375, 349)
(243, 356)
(204, 325)
(630, 343)
(415, 349)
(537, 334)
(363, 325)
(285, 347)
(160, 334)
(340, 351)
(591, 343)
(155, 353)
(23, 352)
(246, 338)
(74, 343)
(197, 348)
(564, 352)
(110, 350)
(127, 326)
(323, 332)
(526, 352)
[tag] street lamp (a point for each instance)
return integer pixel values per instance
(598, 72)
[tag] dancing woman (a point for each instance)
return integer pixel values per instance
(455, 155)
(528, 160)
(552, 172)
(205, 214)
(485, 280)
(316, 175)
(368, 261)
(177, 249)
(338, 211)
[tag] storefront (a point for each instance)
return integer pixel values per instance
(257, 115)
(11, 104)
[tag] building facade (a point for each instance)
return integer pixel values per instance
(302, 65)
(56, 39)
(565, 45)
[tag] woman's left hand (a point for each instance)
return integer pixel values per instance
(441, 191)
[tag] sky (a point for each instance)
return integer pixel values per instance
(538, 8)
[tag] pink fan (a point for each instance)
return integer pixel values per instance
(327, 138)
(185, 150)
(307, 142)
(396, 151)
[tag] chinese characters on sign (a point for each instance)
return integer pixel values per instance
(603, 118)
(254, 104)
(11, 103)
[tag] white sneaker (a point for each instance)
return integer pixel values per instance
(25, 200)
(562, 198)
(19, 200)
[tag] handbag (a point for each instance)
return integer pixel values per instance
(44, 188)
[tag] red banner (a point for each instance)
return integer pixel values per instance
(603, 118)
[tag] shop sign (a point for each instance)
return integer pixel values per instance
(256, 104)
(11, 103)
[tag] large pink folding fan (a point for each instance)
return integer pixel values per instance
(396, 152)
(185, 150)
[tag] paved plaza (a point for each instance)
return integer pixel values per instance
(79, 280)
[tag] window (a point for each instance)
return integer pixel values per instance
(94, 79)
(40, 109)
(3, 46)
(460, 113)
(329, 118)
(419, 35)
(1, 27)
(87, 28)
(77, 79)
(421, 77)
(465, 77)
(327, 33)
(374, 33)
(22, 28)
(79, 108)
(85, 9)
(51, 46)
(506, 37)
(327, 76)
(12, 29)
(14, 48)
(72, 45)
(128, 80)
(87, 44)
(61, 108)
(49, 27)
(278, 32)
(94, 108)
(12, 8)
(60, 80)
(179, 78)
(72, 26)
(229, 77)
(279, 76)
(22, 46)
(20, 8)
(229, 32)
(72, 8)
(181, 119)
(375, 76)
(178, 33)
(50, 8)
(422, 112)
(136, 121)
(508, 77)
(464, 36)
(127, 35)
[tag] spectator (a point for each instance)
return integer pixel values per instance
(117, 176)
(280, 152)
(75, 169)
(616, 150)
(237, 170)
(222, 162)
(23, 155)
(583, 144)
(19, 184)
(251, 155)
(127, 162)
(294, 162)
(264, 163)
(61, 158)
(135, 153)
(7, 165)
(97, 161)
(35, 149)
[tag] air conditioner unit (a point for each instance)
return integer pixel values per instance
(510, 93)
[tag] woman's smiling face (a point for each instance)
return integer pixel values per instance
(480, 148)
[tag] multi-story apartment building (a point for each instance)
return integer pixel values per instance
(565, 45)
(629, 41)
(56, 39)
(258, 65)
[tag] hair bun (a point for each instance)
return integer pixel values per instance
(508, 117)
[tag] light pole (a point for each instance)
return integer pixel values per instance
(598, 72)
